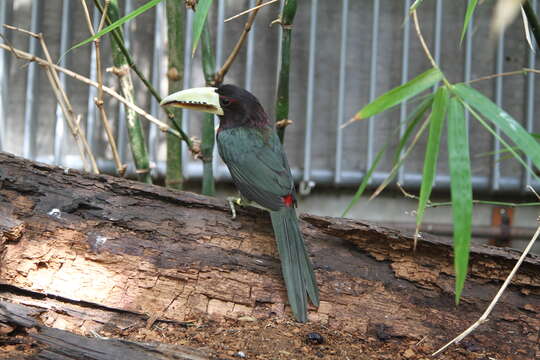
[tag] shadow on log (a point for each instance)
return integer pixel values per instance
(103, 255)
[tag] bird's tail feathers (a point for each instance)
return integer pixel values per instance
(295, 263)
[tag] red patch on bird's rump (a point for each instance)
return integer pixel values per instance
(288, 200)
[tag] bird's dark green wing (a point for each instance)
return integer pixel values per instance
(257, 164)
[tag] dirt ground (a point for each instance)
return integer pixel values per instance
(272, 339)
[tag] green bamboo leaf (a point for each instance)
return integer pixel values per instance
(150, 4)
(438, 112)
(365, 180)
(461, 189)
(397, 165)
(468, 14)
(415, 5)
(400, 94)
(412, 120)
(500, 139)
(508, 125)
(203, 6)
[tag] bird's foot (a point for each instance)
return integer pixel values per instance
(240, 201)
(233, 201)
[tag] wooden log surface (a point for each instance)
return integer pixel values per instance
(103, 255)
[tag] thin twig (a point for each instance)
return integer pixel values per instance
(29, 57)
(509, 73)
(62, 98)
(422, 41)
(484, 316)
(255, 8)
(120, 168)
(247, 27)
(478, 202)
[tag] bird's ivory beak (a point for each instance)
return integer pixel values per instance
(201, 99)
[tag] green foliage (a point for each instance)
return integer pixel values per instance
(365, 180)
(468, 15)
(401, 93)
(438, 112)
(415, 5)
(150, 4)
(508, 125)
(461, 189)
(413, 121)
(199, 21)
(449, 101)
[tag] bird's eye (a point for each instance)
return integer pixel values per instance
(225, 101)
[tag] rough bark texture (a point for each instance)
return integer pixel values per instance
(93, 253)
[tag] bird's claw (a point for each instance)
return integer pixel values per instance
(232, 201)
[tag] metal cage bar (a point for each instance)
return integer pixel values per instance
(5, 11)
(404, 78)
(341, 91)
(499, 66)
(305, 186)
(65, 39)
(373, 80)
(32, 76)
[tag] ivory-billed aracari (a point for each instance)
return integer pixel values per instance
(248, 144)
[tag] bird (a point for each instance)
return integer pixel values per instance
(248, 143)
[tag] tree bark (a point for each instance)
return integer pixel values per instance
(94, 251)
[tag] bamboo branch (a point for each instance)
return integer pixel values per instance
(282, 101)
(135, 131)
(162, 126)
(120, 168)
(61, 96)
(208, 132)
(175, 74)
(509, 73)
(232, 56)
(255, 8)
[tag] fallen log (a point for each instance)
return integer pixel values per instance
(96, 253)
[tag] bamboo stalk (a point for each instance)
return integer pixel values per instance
(282, 102)
(175, 74)
(135, 131)
(100, 104)
(208, 136)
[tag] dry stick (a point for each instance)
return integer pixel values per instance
(120, 168)
(247, 27)
(484, 316)
(422, 41)
(62, 99)
(479, 202)
(29, 57)
(255, 8)
(517, 72)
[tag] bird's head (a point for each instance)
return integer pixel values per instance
(234, 106)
